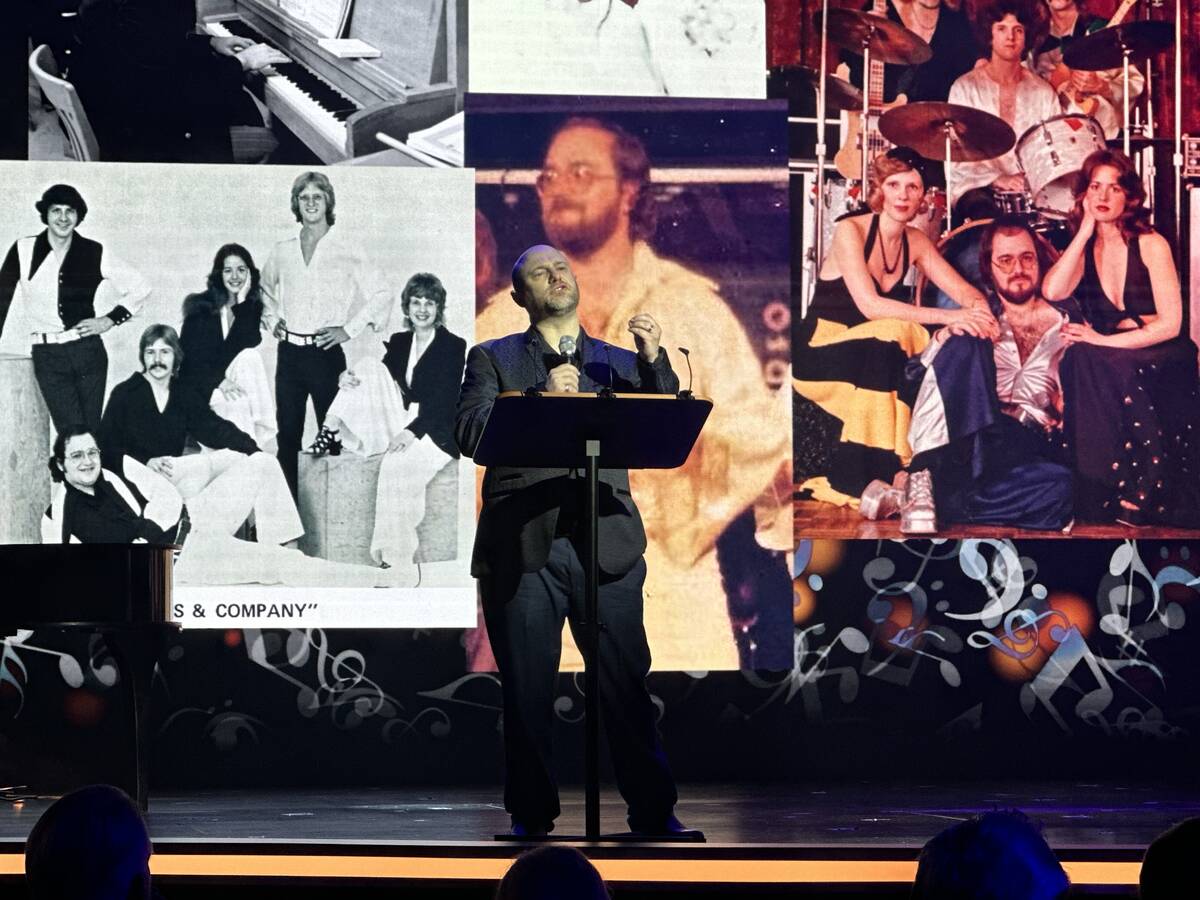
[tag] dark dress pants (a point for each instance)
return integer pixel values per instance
(524, 613)
(300, 373)
(72, 378)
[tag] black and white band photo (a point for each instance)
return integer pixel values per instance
(297, 82)
(258, 365)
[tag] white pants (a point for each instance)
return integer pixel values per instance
(372, 412)
(222, 488)
(254, 411)
(400, 500)
(215, 558)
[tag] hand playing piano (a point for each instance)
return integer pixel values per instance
(260, 58)
(228, 46)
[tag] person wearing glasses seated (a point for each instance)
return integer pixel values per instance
(98, 506)
(986, 424)
(1130, 385)
(850, 350)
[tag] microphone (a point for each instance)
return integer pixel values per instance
(687, 395)
(566, 348)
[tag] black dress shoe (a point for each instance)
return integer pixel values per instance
(520, 829)
(669, 827)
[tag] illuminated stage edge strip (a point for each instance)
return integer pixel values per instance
(645, 871)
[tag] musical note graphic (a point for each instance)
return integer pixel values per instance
(1057, 674)
(1004, 579)
(805, 675)
(905, 643)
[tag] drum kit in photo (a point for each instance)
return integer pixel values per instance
(1050, 153)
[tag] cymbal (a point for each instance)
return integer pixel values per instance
(888, 41)
(1139, 142)
(1103, 49)
(975, 134)
(798, 83)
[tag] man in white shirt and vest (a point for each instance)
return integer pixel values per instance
(318, 293)
(60, 291)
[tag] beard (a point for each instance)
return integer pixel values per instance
(1018, 298)
(581, 237)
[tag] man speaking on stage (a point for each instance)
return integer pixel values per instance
(528, 563)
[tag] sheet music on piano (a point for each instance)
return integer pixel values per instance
(326, 17)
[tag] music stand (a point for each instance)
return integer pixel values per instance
(592, 431)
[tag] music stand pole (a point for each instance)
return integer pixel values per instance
(591, 669)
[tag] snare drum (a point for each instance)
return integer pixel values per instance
(1051, 153)
(1016, 203)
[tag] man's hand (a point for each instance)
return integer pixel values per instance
(330, 336)
(98, 325)
(230, 389)
(1009, 183)
(280, 330)
(228, 46)
(348, 380)
(161, 465)
(402, 441)
(563, 379)
(1088, 83)
(258, 57)
(647, 335)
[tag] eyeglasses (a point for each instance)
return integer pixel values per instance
(80, 455)
(1007, 263)
(1103, 187)
(579, 177)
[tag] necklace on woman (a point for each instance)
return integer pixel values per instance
(890, 269)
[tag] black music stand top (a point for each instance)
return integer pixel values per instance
(551, 430)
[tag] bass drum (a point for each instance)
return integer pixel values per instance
(1051, 153)
(960, 248)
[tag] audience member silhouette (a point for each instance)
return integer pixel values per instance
(91, 844)
(1170, 863)
(993, 856)
(552, 873)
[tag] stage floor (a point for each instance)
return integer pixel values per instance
(814, 519)
(826, 834)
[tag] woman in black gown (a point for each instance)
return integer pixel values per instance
(860, 330)
(1130, 386)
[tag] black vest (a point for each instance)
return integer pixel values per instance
(78, 277)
